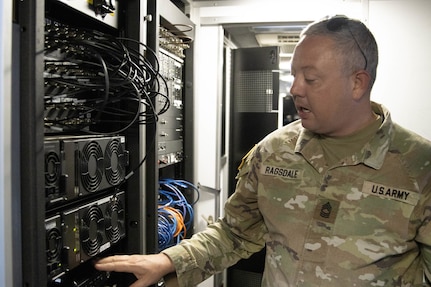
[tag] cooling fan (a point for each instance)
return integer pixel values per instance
(92, 230)
(54, 245)
(91, 163)
(52, 170)
(115, 162)
(114, 220)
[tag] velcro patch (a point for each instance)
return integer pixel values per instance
(390, 192)
(326, 210)
(281, 172)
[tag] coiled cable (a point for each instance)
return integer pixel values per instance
(175, 211)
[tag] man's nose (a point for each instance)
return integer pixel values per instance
(295, 89)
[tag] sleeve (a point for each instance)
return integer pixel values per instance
(237, 235)
(423, 236)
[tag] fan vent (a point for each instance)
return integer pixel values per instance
(114, 162)
(92, 230)
(54, 245)
(114, 220)
(52, 168)
(91, 166)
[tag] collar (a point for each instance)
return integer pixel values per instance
(372, 154)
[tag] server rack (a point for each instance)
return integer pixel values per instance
(75, 203)
(174, 142)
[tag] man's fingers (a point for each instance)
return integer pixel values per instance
(118, 263)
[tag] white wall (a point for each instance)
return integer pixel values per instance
(207, 114)
(403, 32)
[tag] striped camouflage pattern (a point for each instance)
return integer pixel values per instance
(363, 222)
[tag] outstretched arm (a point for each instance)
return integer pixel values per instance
(148, 269)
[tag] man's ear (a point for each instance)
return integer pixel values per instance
(361, 84)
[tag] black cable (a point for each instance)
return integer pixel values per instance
(95, 70)
(149, 148)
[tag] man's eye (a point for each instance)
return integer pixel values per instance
(309, 80)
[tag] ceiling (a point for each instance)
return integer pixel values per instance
(245, 35)
(285, 36)
(248, 35)
(256, 34)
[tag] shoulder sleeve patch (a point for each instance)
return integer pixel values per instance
(244, 158)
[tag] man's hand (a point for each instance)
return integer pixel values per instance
(148, 269)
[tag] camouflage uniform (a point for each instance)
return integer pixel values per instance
(363, 222)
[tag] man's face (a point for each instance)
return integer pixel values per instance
(321, 90)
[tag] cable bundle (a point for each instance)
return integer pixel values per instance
(175, 213)
(96, 82)
(173, 42)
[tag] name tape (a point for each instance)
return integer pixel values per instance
(281, 172)
(390, 192)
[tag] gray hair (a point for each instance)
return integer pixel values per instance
(353, 40)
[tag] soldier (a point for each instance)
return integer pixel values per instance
(341, 197)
